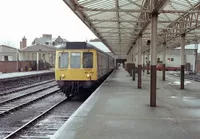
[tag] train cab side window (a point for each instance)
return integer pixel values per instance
(75, 60)
(63, 60)
(87, 60)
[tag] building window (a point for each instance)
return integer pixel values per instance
(170, 59)
(5, 58)
(10, 58)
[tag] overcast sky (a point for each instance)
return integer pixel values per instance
(32, 18)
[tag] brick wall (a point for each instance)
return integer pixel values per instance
(11, 66)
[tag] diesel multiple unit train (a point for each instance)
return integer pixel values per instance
(81, 66)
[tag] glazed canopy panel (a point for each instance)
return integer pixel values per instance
(118, 23)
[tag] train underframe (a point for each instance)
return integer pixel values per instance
(81, 89)
(77, 88)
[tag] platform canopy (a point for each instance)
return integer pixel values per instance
(118, 23)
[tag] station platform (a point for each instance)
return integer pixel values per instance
(118, 110)
(14, 75)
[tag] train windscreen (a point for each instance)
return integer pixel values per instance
(87, 60)
(75, 60)
(63, 60)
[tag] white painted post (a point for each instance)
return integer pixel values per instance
(37, 61)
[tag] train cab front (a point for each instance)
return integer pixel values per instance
(75, 69)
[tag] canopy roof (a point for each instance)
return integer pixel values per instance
(118, 23)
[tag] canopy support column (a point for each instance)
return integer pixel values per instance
(182, 60)
(154, 20)
(143, 59)
(148, 53)
(148, 63)
(133, 60)
(140, 61)
(196, 57)
(164, 59)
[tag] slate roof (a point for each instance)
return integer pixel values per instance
(8, 47)
(38, 47)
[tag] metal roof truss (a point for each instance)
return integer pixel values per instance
(118, 23)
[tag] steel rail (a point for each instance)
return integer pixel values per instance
(14, 90)
(27, 125)
(28, 103)
(28, 94)
(20, 82)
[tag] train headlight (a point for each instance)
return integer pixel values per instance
(88, 75)
(62, 75)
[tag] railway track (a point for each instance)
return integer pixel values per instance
(30, 91)
(47, 123)
(16, 103)
(7, 85)
(34, 111)
(31, 106)
(14, 114)
(14, 90)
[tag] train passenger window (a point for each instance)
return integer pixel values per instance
(75, 60)
(63, 60)
(87, 60)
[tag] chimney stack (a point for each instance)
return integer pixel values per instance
(21, 46)
(23, 43)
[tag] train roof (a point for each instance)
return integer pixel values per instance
(77, 45)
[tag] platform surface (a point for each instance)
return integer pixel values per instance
(20, 74)
(118, 110)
